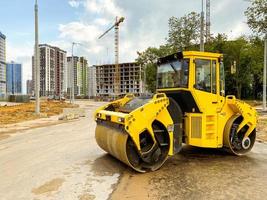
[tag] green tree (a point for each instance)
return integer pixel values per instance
(257, 21)
(237, 51)
(257, 16)
(184, 32)
(151, 74)
(256, 62)
(217, 44)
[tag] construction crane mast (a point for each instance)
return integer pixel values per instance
(207, 20)
(117, 72)
(202, 27)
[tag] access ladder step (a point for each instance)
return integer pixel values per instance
(164, 144)
(158, 131)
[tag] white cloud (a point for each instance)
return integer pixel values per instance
(106, 7)
(100, 15)
(74, 3)
(101, 22)
(238, 29)
(78, 31)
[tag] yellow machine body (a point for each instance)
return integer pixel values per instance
(142, 133)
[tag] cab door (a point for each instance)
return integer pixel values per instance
(205, 87)
(205, 90)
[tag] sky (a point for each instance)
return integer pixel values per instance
(62, 22)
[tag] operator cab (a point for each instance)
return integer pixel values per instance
(190, 75)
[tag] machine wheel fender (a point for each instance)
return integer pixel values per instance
(177, 116)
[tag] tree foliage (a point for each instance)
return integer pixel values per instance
(184, 31)
(257, 16)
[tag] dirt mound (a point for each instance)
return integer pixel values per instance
(24, 112)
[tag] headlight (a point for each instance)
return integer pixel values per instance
(170, 128)
(120, 119)
(98, 115)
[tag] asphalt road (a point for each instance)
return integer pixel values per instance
(54, 162)
(64, 162)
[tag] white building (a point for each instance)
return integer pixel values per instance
(80, 74)
(92, 82)
(2, 65)
(53, 64)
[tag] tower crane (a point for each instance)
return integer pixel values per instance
(117, 72)
(207, 20)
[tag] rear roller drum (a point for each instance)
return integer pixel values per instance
(236, 142)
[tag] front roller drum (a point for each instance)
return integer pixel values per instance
(116, 141)
(236, 142)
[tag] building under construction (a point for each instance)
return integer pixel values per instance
(130, 79)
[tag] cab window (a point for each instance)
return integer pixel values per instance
(203, 75)
(213, 78)
(222, 81)
(173, 74)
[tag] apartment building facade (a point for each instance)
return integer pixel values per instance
(29, 85)
(92, 81)
(130, 79)
(2, 65)
(53, 64)
(80, 74)
(14, 78)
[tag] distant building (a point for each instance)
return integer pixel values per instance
(29, 87)
(130, 79)
(14, 78)
(92, 81)
(33, 75)
(72, 74)
(2, 65)
(80, 74)
(53, 65)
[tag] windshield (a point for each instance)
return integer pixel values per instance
(173, 74)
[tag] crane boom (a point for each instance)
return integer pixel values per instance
(106, 31)
(117, 72)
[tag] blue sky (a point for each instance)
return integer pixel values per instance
(146, 24)
(17, 18)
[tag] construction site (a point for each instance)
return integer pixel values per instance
(186, 118)
(130, 80)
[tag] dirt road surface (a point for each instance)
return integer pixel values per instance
(63, 162)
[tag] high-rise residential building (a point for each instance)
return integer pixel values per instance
(84, 76)
(2, 65)
(72, 65)
(29, 84)
(14, 78)
(91, 81)
(130, 79)
(33, 75)
(53, 65)
(80, 74)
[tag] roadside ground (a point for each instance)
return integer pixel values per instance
(63, 161)
(14, 113)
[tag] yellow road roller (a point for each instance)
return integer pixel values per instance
(189, 107)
